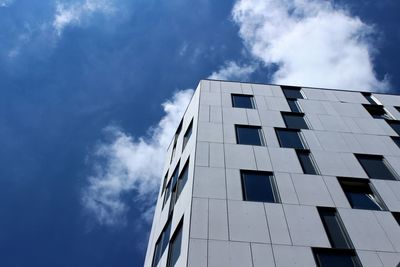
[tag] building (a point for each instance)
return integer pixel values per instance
(268, 175)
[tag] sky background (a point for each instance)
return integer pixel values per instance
(92, 90)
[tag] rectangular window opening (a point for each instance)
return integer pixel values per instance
(360, 194)
(295, 120)
(376, 167)
(294, 105)
(259, 186)
(334, 228)
(292, 92)
(378, 112)
(175, 246)
(328, 257)
(395, 125)
(290, 138)
(371, 99)
(307, 162)
(249, 135)
(243, 101)
(162, 243)
(187, 135)
(396, 140)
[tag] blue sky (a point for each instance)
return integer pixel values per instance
(90, 87)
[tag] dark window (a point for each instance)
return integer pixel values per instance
(396, 216)
(370, 99)
(178, 131)
(259, 186)
(183, 178)
(334, 228)
(249, 135)
(360, 194)
(307, 162)
(171, 186)
(187, 135)
(376, 167)
(292, 92)
(295, 120)
(162, 243)
(398, 108)
(294, 105)
(290, 138)
(378, 112)
(175, 246)
(396, 140)
(242, 101)
(164, 183)
(395, 126)
(167, 193)
(326, 257)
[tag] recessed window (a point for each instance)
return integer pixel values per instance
(307, 162)
(360, 195)
(334, 228)
(162, 243)
(295, 120)
(398, 108)
(183, 178)
(396, 216)
(171, 185)
(325, 257)
(175, 246)
(259, 186)
(396, 140)
(290, 138)
(178, 131)
(292, 92)
(187, 135)
(242, 101)
(378, 112)
(294, 105)
(395, 126)
(249, 135)
(164, 183)
(376, 167)
(370, 98)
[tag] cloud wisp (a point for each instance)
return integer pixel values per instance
(127, 164)
(232, 71)
(75, 13)
(311, 42)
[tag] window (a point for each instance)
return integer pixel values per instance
(395, 126)
(396, 216)
(396, 140)
(307, 162)
(290, 138)
(378, 112)
(178, 131)
(178, 185)
(360, 195)
(164, 183)
(162, 243)
(171, 185)
(187, 135)
(325, 257)
(376, 167)
(175, 246)
(249, 135)
(242, 101)
(259, 186)
(370, 98)
(292, 92)
(398, 108)
(295, 120)
(334, 228)
(294, 105)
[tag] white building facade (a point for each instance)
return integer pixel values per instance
(267, 175)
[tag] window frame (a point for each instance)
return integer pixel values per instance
(271, 183)
(259, 130)
(312, 161)
(373, 108)
(187, 135)
(287, 89)
(382, 159)
(322, 211)
(177, 232)
(251, 98)
(298, 133)
(294, 102)
(336, 251)
(295, 115)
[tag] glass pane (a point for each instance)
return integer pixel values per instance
(375, 167)
(334, 228)
(167, 193)
(295, 121)
(364, 201)
(157, 253)
(165, 236)
(396, 215)
(292, 92)
(187, 135)
(289, 139)
(395, 125)
(175, 247)
(377, 112)
(257, 187)
(294, 105)
(182, 179)
(306, 162)
(242, 101)
(335, 259)
(396, 140)
(248, 135)
(368, 96)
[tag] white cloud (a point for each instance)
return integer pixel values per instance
(6, 3)
(232, 71)
(312, 42)
(127, 164)
(74, 13)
